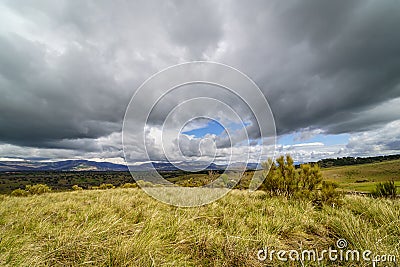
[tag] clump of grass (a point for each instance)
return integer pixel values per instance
(366, 223)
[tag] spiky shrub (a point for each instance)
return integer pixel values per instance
(310, 176)
(386, 189)
(272, 181)
(20, 193)
(287, 171)
(305, 183)
(38, 189)
(281, 178)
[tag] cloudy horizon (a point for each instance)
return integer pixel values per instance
(330, 71)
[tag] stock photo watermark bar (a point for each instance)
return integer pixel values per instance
(339, 254)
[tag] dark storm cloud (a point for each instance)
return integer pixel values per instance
(68, 68)
(322, 62)
(196, 25)
(41, 102)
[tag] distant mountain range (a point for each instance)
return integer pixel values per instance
(66, 165)
(87, 165)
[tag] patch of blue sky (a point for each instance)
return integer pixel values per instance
(214, 127)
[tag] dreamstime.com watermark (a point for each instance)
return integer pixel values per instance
(341, 253)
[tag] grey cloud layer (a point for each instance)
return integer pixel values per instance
(320, 63)
(68, 69)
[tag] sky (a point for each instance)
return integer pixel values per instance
(330, 71)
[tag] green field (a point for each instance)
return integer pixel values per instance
(364, 177)
(125, 227)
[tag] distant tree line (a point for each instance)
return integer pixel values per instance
(326, 163)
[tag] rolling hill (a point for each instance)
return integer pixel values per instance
(363, 177)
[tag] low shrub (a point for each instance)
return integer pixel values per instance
(386, 190)
(283, 179)
(76, 187)
(20, 193)
(38, 189)
(106, 186)
(328, 195)
(129, 185)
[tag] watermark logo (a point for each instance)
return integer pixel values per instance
(341, 243)
(339, 254)
(161, 112)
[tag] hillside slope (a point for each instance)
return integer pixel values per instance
(364, 177)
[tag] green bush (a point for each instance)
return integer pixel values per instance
(310, 176)
(38, 189)
(306, 182)
(273, 182)
(386, 189)
(106, 186)
(76, 187)
(281, 179)
(20, 193)
(328, 195)
(129, 185)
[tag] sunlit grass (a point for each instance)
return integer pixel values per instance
(126, 227)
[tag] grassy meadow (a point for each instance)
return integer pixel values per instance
(126, 227)
(363, 177)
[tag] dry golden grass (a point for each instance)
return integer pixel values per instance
(125, 227)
